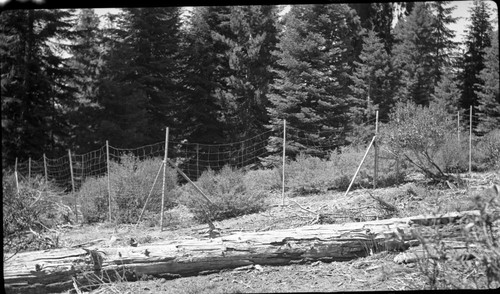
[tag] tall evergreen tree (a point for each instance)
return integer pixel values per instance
(488, 89)
(204, 71)
(476, 40)
(447, 92)
(414, 55)
(373, 77)
(314, 64)
(377, 17)
(249, 42)
(35, 83)
(87, 60)
(443, 37)
(140, 85)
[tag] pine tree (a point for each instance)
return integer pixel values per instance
(414, 55)
(476, 40)
(488, 93)
(35, 83)
(311, 87)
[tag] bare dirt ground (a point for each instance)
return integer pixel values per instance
(376, 272)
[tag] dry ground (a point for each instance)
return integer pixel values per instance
(376, 272)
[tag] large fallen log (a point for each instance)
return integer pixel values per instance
(58, 269)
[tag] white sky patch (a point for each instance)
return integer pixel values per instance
(462, 11)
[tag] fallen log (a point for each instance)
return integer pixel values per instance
(56, 270)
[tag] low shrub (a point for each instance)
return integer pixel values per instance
(347, 161)
(30, 212)
(419, 134)
(486, 153)
(307, 172)
(453, 156)
(229, 193)
(263, 179)
(131, 182)
(94, 199)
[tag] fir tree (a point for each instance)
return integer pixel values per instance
(476, 40)
(249, 42)
(377, 17)
(373, 78)
(443, 37)
(414, 55)
(447, 92)
(140, 84)
(311, 87)
(204, 72)
(488, 89)
(87, 60)
(36, 91)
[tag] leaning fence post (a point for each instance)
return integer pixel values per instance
(73, 184)
(109, 182)
(45, 167)
(164, 174)
(15, 176)
(283, 168)
(360, 164)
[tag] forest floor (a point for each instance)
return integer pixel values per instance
(375, 272)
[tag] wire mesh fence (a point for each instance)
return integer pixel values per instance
(72, 170)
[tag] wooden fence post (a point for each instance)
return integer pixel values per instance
(375, 167)
(29, 168)
(109, 181)
(73, 184)
(164, 175)
(197, 160)
(458, 127)
(283, 169)
(470, 141)
(45, 167)
(83, 169)
(15, 176)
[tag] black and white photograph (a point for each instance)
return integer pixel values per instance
(250, 147)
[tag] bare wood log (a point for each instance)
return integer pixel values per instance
(53, 270)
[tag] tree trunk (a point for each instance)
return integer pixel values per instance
(54, 270)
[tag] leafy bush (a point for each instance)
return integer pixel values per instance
(131, 182)
(263, 179)
(94, 199)
(29, 213)
(229, 193)
(309, 172)
(486, 153)
(453, 156)
(419, 133)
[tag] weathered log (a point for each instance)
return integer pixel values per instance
(54, 270)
